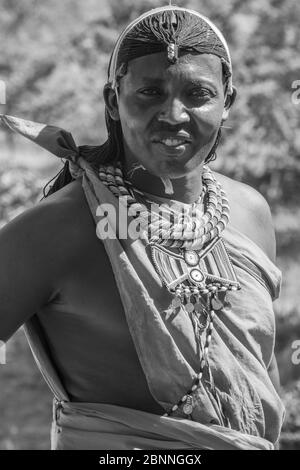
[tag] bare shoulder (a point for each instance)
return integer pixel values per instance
(38, 250)
(58, 224)
(69, 206)
(67, 212)
(250, 213)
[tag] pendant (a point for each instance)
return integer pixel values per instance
(191, 258)
(198, 307)
(189, 307)
(194, 268)
(189, 405)
(216, 303)
(176, 302)
(172, 51)
(196, 275)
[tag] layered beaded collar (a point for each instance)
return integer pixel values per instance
(191, 230)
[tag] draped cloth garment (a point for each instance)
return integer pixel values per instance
(236, 405)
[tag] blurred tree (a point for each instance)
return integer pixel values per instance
(19, 190)
(55, 57)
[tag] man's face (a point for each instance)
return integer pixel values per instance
(170, 113)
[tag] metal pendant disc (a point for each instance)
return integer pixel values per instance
(216, 304)
(176, 302)
(198, 307)
(196, 275)
(191, 258)
(189, 307)
(187, 408)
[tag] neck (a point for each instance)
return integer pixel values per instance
(186, 189)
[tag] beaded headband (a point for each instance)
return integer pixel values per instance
(171, 49)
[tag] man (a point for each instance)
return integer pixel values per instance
(162, 336)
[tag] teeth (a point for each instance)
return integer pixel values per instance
(172, 142)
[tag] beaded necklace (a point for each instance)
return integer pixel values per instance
(189, 232)
(183, 248)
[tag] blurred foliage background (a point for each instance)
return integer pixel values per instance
(54, 58)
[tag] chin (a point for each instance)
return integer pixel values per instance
(178, 169)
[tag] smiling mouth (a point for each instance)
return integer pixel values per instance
(172, 142)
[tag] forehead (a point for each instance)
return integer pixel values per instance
(188, 67)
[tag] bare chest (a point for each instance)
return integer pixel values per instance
(88, 334)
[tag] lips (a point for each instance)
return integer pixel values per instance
(172, 140)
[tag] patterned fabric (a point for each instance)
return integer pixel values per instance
(213, 263)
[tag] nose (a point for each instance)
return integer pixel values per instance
(173, 112)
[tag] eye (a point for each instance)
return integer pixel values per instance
(201, 93)
(151, 92)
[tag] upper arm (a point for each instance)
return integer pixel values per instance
(29, 266)
(250, 214)
(262, 223)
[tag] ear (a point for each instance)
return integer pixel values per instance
(111, 102)
(230, 99)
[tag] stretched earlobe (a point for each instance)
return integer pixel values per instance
(230, 99)
(111, 102)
